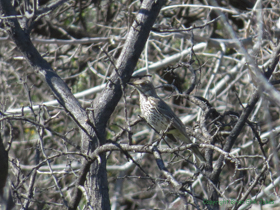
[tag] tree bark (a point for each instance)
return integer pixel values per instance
(106, 102)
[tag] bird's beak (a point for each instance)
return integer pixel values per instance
(130, 84)
(133, 84)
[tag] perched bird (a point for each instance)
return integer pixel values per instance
(159, 115)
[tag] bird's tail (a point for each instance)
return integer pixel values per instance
(199, 154)
(180, 136)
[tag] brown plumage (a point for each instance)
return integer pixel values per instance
(159, 115)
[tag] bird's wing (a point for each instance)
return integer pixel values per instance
(177, 124)
(164, 109)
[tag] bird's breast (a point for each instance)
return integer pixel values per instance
(151, 114)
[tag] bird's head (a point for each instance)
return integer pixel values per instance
(144, 87)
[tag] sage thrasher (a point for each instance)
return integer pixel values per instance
(160, 116)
